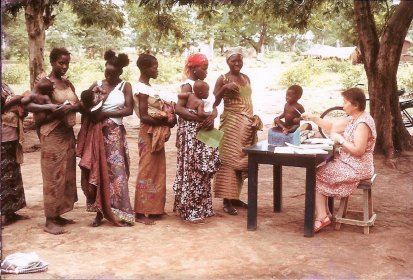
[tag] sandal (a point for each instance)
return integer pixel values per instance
(239, 203)
(229, 209)
(323, 223)
(197, 221)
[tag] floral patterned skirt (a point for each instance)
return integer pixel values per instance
(12, 192)
(196, 165)
(117, 155)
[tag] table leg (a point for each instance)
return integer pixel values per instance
(252, 193)
(309, 201)
(277, 187)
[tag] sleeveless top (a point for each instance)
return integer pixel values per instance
(363, 164)
(115, 101)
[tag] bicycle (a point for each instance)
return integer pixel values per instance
(406, 108)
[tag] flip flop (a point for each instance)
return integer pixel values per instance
(197, 221)
(230, 210)
(239, 203)
(323, 223)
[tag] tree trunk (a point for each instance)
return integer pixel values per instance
(263, 37)
(381, 60)
(35, 26)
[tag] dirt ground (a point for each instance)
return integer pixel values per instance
(222, 248)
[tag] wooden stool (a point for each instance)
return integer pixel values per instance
(368, 216)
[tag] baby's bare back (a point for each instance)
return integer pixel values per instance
(40, 99)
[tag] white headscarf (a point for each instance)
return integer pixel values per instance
(232, 51)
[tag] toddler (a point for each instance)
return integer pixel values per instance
(292, 111)
(196, 101)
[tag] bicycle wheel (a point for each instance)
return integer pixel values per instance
(332, 114)
(407, 112)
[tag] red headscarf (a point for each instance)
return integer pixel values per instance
(196, 59)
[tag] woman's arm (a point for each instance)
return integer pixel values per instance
(201, 111)
(324, 124)
(35, 108)
(358, 147)
(15, 100)
(180, 108)
(221, 87)
(127, 110)
(143, 112)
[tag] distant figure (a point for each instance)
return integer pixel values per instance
(292, 111)
(12, 191)
(196, 100)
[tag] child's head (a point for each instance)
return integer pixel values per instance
(201, 89)
(294, 93)
(44, 87)
(89, 98)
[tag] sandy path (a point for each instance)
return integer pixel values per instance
(223, 248)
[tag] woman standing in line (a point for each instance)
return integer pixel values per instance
(156, 118)
(58, 160)
(240, 126)
(111, 199)
(12, 191)
(196, 163)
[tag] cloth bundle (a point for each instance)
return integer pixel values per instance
(19, 263)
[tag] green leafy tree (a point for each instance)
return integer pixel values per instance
(40, 15)
(159, 27)
(15, 38)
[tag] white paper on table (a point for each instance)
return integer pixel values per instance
(310, 151)
(319, 141)
(284, 150)
(310, 146)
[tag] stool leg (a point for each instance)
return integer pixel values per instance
(370, 204)
(331, 205)
(342, 210)
(366, 209)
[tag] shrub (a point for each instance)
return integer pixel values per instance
(405, 77)
(15, 74)
(336, 66)
(354, 74)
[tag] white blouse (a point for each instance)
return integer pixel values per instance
(115, 101)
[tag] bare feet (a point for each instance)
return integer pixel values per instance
(97, 221)
(12, 218)
(155, 216)
(52, 227)
(141, 218)
(62, 221)
(126, 224)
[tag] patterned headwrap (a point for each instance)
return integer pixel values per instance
(232, 51)
(196, 59)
